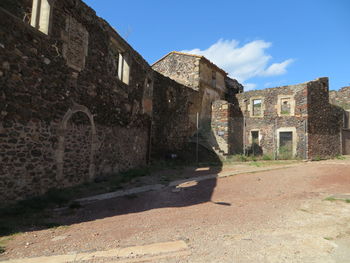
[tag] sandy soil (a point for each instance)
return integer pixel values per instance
(271, 216)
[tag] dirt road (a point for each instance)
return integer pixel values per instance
(270, 216)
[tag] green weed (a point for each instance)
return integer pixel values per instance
(340, 157)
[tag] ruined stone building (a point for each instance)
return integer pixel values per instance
(291, 121)
(77, 101)
(210, 84)
(295, 120)
(197, 72)
(341, 99)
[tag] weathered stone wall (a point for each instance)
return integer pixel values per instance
(324, 121)
(233, 87)
(314, 122)
(62, 104)
(227, 127)
(206, 70)
(182, 68)
(197, 72)
(270, 123)
(340, 98)
(19, 8)
(173, 120)
(209, 91)
(220, 124)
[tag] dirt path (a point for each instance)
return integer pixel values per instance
(270, 216)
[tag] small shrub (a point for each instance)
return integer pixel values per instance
(316, 158)
(340, 157)
(285, 153)
(242, 158)
(331, 199)
(255, 163)
(266, 157)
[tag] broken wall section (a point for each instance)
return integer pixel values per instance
(227, 128)
(266, 119)
(324, 121)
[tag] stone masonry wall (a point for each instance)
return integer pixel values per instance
(324, 121)
(65, 116)
(181, 68)
(173, 122)
(271, 122)
(340, 98)
(227, 127)
(314, 122)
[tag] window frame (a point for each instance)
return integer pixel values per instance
(251, 107)
(280, 99)
(41, 17)
(293, 130)
(122, 59)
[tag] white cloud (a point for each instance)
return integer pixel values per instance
(243, 62)
(277, 68)
(249, 86)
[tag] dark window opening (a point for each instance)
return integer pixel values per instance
(255, 137)
(286, 145)
(213, 79)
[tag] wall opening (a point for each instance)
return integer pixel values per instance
(213, 79)
(285, 145)
(285, 106)
(41, 15)
(255, 137)
(257, 105)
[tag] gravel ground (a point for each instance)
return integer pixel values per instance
(270, 216)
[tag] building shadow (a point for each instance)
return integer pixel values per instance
(197, 189)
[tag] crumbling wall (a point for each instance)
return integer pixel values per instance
(324, 121)
(173, 121)
(65, 116)
(270, 122)
(340, 98)
(227, 127)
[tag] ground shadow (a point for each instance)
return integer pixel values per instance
(189, 193)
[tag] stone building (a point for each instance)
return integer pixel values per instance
(76, 100)
(203, 76)
(341, 98)
(210, 84)
(296, 121)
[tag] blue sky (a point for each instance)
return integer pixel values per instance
(262, 43)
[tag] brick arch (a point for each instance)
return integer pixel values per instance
(61, 141)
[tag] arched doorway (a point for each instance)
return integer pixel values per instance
(77, 144)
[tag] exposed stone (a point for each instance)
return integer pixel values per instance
(40, 91)
(316, 132)
(6, 65)
(46, 61)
